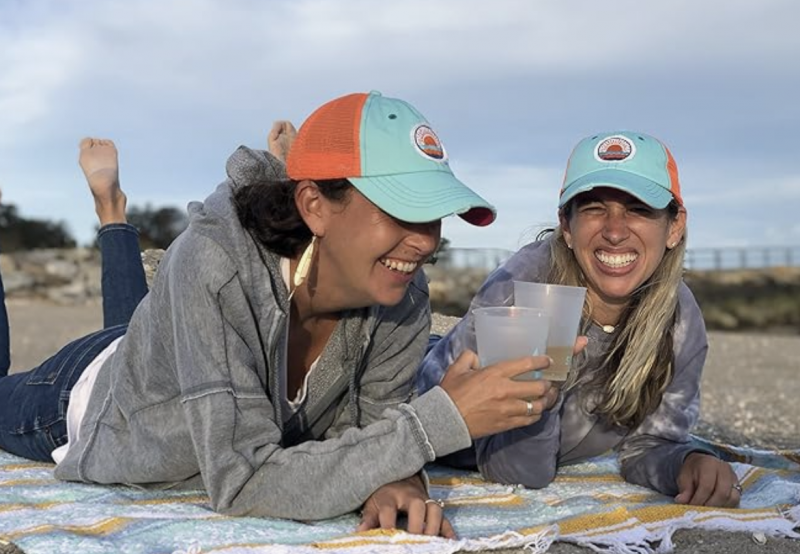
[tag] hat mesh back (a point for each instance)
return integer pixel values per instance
(672, 169)
(328, 144)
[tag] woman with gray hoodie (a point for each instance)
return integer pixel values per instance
(272, 363)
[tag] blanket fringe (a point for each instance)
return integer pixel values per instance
(660, 542)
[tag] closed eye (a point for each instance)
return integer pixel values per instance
(592, 208)
(643, 210)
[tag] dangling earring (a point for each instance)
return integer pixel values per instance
(304, 265)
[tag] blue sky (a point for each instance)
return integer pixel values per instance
(509, 86)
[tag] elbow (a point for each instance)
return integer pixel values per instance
(509, 468)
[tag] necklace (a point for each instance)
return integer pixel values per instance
(608, 328)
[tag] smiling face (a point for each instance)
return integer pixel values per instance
(618, 242)
(365, 256)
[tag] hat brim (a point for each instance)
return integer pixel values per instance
(425, 196)
(649, 192)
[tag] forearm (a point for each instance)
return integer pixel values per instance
(656, 463)
(323, 479)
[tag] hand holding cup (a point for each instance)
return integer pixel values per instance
(490, 399)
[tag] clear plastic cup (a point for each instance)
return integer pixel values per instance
(509, 332)
(565, 306)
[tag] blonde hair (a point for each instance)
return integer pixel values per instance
(639, 363)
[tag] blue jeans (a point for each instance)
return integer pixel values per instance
(33, 405)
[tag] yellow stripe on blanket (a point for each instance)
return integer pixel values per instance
(197, 499)
(372, 537)
(101, 528)
(456, 480)
(28, 483)
(24, 466)
(35, 506)
(503, 500)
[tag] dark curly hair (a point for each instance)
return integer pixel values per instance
(268, 212)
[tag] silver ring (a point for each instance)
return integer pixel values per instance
(737, 487)
(528, 408)
(436, 501)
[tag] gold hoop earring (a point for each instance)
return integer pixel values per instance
(304, 265)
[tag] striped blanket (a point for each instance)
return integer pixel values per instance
(588, 504)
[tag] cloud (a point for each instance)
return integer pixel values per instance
(211, 52)
(741, 186)
(36, 64)
(510, 85)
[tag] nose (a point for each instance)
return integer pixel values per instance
(424, 237)
(615, 226)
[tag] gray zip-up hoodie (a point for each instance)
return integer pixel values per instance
(192, 396)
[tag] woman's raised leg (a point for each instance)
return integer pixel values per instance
(122, 279)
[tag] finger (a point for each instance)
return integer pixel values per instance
(468, 360)
(705, 483)
(720, 496)
(387, 515)
(552, 396)
(369, 520)
(529, 389)
(580, 344)
(416, 515)
(685, 487)
(433, 519)
(734, 499)
(516, 367)
(465, 363)
(534, 408)
(447, 530)
(725, 493)
(723, 490)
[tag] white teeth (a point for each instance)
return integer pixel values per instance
(616, 260)
(402, 267)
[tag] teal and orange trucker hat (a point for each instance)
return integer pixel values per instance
(390, 153)
(632, 162)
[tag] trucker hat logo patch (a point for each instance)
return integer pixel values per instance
(614, 149)
(428, 144)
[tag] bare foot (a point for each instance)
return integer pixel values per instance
(98, 160)
(280, 139)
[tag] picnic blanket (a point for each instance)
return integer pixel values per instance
(588, 504)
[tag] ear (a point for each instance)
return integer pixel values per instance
(677, 228)
(564, 224)
(311, 205)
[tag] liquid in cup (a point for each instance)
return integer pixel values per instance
(509, 332)
(565, 306)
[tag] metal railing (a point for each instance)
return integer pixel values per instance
(751, 257)
(717, 259)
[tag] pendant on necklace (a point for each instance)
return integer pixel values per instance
(608, 329)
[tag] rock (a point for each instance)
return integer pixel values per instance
(150, 259)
